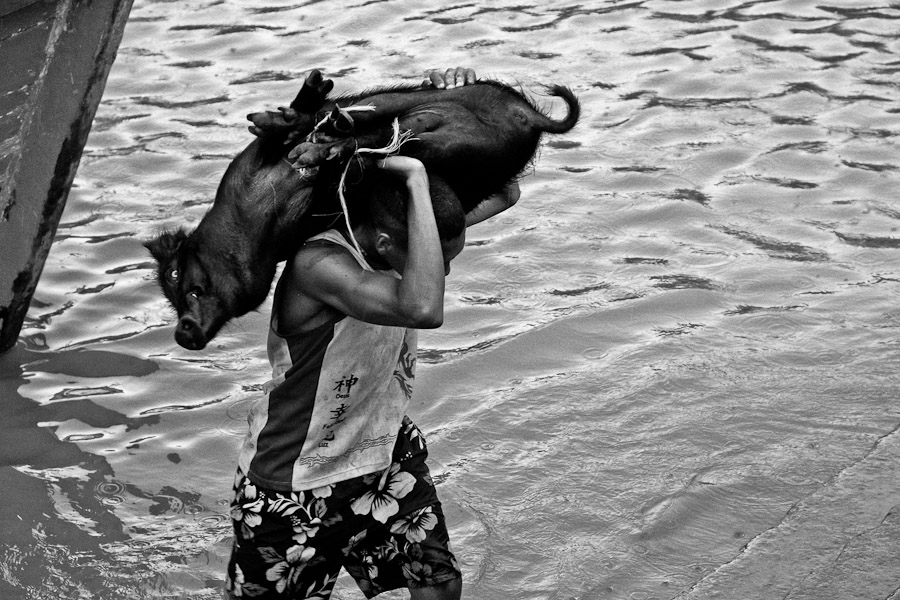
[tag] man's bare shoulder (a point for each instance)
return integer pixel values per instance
(321, 267)
(314, 253)
(311, 279)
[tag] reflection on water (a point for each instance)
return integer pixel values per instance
(668, 372)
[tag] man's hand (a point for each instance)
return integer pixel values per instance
(495, 204)
(450, 78)
(335, 279)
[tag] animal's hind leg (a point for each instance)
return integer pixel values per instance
(289, 124)
(313, 92)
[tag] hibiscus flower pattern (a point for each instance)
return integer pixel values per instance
(416, 525)
(416, 570)
(412, 432)
(247, 507)
(419, 566)
(285, 541)
(381, 501)
(285, 570)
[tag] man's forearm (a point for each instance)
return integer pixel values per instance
(494, 205)
(423, 278)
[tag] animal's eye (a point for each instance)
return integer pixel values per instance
(172, 275)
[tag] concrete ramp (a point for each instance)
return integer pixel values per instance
(842, 542)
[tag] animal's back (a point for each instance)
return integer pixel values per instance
(478, 137)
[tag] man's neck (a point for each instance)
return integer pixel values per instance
(365, 238)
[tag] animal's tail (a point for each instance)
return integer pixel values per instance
(573, 107)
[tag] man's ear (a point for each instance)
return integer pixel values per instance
(383, 243)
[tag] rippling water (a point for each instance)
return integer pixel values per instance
(669, 372)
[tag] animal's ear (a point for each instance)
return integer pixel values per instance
(164, 247)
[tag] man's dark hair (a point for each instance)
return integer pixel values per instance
(379, 199)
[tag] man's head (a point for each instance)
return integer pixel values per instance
(378, 203)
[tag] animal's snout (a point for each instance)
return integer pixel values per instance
(188, 324)
(189, 334)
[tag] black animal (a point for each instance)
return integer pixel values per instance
(475, 139)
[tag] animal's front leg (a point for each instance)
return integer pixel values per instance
(311, 154)
(271, 121)
(326, 147)
(294, 122)
(313, 93)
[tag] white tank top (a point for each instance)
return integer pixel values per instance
(335, 402)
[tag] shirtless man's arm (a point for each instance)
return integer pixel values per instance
(494, 205)
(324, 280)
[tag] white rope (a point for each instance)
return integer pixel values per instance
(344, 110)
(307, 173)
(397, 140)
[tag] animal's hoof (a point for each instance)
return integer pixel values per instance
(290, 115)
(314, 79)
(310, 154)
(339, 123)
(313, 93)
(271, 122)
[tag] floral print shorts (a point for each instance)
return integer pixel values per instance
(386, 529)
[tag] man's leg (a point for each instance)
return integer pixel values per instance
(449, 590)
(282, 547)
(410, 549)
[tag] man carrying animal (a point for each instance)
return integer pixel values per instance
(325, 480)
(478, 137)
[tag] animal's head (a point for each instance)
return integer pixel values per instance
(205, 288)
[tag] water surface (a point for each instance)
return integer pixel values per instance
(669, 372)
